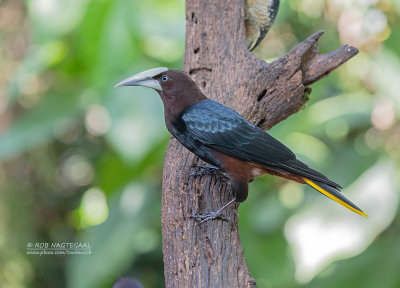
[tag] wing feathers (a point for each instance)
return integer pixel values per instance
(224, 130)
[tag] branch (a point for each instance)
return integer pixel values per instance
(210, 254)
(285, 89)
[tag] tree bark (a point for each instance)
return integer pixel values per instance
(216, 56)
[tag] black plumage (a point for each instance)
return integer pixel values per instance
(220, 128)
(225, 139)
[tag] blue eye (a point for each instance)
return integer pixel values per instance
(164, 78)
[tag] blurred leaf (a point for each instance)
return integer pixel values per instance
(118, 241)
(376, 267)
(36, 127)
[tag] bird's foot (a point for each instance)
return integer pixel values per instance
(208, 170)
(209, 216)
(205, 170)
(215, 214)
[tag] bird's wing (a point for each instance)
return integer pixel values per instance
(221, 128)
(224, 130)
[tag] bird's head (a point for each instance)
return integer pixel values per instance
(175, 87)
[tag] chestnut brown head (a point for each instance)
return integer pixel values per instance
(176, 88)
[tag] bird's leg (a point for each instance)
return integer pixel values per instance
(215, 214)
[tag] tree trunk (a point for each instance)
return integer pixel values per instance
(210, 254)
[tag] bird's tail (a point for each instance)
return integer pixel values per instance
(334, 194)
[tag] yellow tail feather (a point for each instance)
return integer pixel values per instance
(334, 198)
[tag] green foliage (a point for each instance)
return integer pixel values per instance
(74, 150)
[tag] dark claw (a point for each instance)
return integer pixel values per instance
(209, 170)
(215, 214)
(212, 216)
(206, 217)
(205, 170)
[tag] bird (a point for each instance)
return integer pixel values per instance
(127, 282)
(226, 140)
(260, 14)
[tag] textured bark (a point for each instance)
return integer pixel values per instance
(210, 254)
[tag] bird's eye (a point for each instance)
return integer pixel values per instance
(164, 78)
